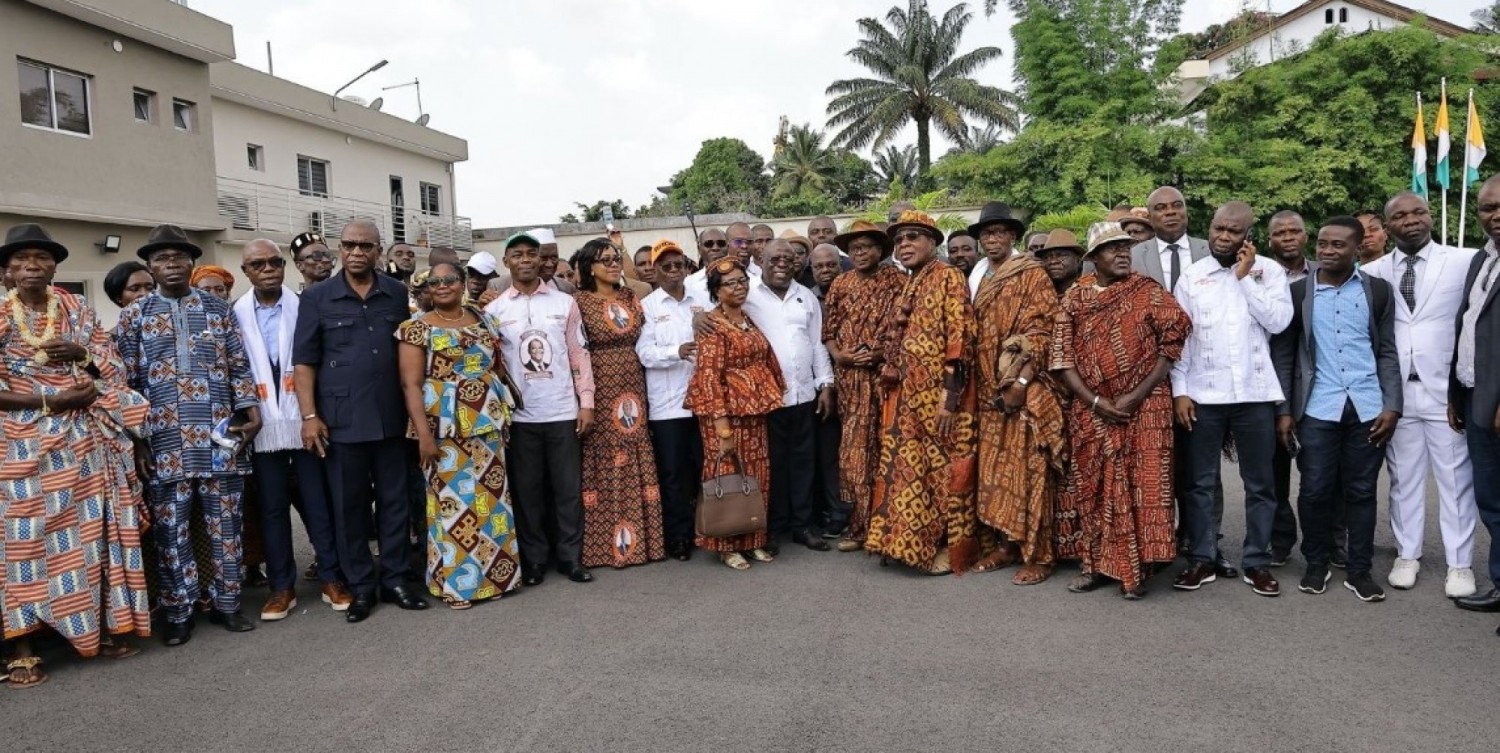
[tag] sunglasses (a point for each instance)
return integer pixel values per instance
(908, 235)
(317, 256)
(442, 281)
(367, 247)
(715, 244)
(741, 242)
(174, 257)
(260, 265)
(609, 261)
(671, 266)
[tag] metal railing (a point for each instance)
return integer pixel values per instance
(256, 207)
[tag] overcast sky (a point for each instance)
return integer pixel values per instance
(580, 100)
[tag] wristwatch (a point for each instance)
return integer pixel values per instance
(1023, 381)
(725, 433)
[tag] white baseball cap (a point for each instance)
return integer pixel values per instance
(482, 262)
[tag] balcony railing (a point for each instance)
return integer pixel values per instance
(256, 207)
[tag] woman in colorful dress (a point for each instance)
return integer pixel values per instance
(621, 500)
(737, 384)
(454, 382)
(68, 421)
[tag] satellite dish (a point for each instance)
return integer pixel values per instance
(422, 121)
(377, 104)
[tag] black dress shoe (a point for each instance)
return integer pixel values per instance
(1223, 569)
(254, 578)
(1485, 602)
(772, 547)
(359, 609)
(576, 572)
(405, 597)
(810, 540)
(533, 577)
(682, 551)
(234, 622)
(177, 633)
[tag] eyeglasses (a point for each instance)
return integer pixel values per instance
(735, 282)
(908, 235)
(259, 265)
(364, 247)
(442, 281)
(609, 261)
(715, 244)
(317, 256)
(170, 257)
(858, 246)
(779, 261)
(671, 266)
(740, 242)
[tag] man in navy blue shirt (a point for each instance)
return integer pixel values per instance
(349, 392)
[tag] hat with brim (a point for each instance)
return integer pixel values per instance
(1102, 234)
(791, 236)
(862, 228)
(997, 213)
(1061, 240)
(168, 236)
(1128, 217)
(919, 220)
(30, 235)
(664, 247)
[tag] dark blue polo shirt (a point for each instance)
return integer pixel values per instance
(351, 341)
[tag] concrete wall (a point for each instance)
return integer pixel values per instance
(104, 176)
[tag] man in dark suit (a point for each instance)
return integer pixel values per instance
(349, 392)
(1341, 373)
(1475, 392)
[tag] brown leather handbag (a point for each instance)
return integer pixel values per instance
(731, 504)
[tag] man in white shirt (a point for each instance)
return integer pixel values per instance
(1429, 282)
(791, 318)
(667, 350)
(1226, 384)
(713, 245)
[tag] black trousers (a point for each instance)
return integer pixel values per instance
(352, 467)
(1284, 529)
(678, 445)
(831, 512)
(1254, 429)
(543, 458)
(1340, 471)
(273, 477)
(792, 434)
(1182, 484)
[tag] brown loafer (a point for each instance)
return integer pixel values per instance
(337, 595)
(279, 606)
(1195, 576)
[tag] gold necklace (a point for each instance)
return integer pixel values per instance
(458, 318)
(23, 326)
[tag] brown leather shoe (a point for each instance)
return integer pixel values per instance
(337, 596)
(279, 606)
(1195, 576)
(1261, 581)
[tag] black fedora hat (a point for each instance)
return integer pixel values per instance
(168, 236)
(30, 235)
(997, 213)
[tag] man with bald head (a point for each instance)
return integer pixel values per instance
(821, 230)
(826, 264)
(1429, 282)
(1035, 243)
(1226, 384)
(1164, 257)
(713, 245)
(267, 316)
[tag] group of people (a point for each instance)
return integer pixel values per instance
(951, 402)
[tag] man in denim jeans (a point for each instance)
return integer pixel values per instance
(1341, 372)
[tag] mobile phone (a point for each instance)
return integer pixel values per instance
(1293, 446)
(609, 219)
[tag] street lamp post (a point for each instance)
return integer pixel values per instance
(333, 101)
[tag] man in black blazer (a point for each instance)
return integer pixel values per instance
(1474, 385)
(1341, 372)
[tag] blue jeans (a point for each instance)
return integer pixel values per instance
(1484, 454)
(1340, 469)
(1254, 428)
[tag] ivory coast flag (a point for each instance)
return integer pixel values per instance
(1419, 154)
(1441, 128)
(1474, 150)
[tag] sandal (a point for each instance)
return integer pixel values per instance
(735, 560)
(459, 605)
(850, 545)
(1086, 582)
(761, 555)
(108, 649)
(24, 672)
(940, 565)
(1030, 575)
(1132, 594)
(999, 559)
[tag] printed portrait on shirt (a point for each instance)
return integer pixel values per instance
(619, 316)
(536, 355)
(627, 412)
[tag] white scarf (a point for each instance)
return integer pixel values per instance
(280, 414)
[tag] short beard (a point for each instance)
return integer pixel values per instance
(1225, 261)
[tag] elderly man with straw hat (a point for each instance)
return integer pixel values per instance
(1062, 256)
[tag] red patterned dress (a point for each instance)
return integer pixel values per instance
(621, 501)
(1121, 475)
(737, 378)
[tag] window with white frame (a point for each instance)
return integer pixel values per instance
(54, 98)
(312, 176)
(432, 198)
(145, 105)
(184, 115)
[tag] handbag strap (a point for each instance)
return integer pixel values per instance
(737, 467)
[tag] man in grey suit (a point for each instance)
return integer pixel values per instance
(1475, 393)
(1341, 372)
(1163, 258)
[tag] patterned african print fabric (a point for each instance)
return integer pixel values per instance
(856, 311)
(923, 499)
(217, 502)
(1121, 476)
(1021, 456)
(70, 503)
(472, 552)
(621, 500)
(738, 377)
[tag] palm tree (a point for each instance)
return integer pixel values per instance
(1487, 19)
(920, 77)
(801, 162)
(978, 141)
(895, 164)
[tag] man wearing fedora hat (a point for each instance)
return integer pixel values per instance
(183, 352)
(1062, 257)
(992, 214)
(856, 310)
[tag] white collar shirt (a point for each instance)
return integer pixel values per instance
(1227, 358)
(793, 324)
(1463, 366)
(1184, 257)
(668, 324)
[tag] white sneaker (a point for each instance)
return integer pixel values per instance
(1404, 573)
(1460, 582)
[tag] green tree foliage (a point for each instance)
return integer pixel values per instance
(802, 163)
(1078, 219)
(979, 141)
(897, 165)
(918, 76)
(595, 212)
(1195, 46)
(726, 176)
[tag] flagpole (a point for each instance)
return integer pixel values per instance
(1443, 103)
(1463, 187)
